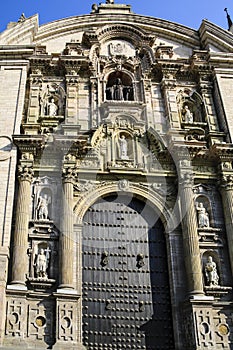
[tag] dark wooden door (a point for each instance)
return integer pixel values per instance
(126, 295)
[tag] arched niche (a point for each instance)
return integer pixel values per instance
(43, 205)
(125, 149)
(191, 107)
(119, 87)
(215, 258)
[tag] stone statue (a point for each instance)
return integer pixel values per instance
(123, 147)
(211, 272)
(118, 90)
(203, 216)
(188, 115)
(52, 108)
(42, 261)
(42, 207)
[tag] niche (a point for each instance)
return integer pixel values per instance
(119, 87)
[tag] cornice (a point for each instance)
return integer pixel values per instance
(148, 25)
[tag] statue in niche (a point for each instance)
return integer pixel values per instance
(211, 272)
(52, 108)
(123, 146)
(203, 216)
(42, 207)
(42, 262)
(118, 90)
(187, 115)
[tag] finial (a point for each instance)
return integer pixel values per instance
(22, 18)
(109, 1)
(228, 19)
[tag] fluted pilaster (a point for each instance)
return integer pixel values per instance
(67, 232)
(227, 198)
(20, 259)
(190, 236)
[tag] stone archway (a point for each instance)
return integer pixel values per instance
(126, 294)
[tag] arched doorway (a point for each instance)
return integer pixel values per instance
(126, 294)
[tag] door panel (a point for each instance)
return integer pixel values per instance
(126, 295)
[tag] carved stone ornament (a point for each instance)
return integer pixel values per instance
(227, 182)
(186, 179)
(25, 173)
(69, 174)
(123, 185)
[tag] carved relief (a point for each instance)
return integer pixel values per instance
(15, 321)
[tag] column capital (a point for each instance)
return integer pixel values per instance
(25, 173)
(226, 182)
(186, 180)
(69, 174)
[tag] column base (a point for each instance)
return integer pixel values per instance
(16, 286)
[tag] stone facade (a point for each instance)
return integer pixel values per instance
(117, 183)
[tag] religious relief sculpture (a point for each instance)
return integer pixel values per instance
(42, 207)
(211, 272)
(203, 216)
(123, 148)
(42, 261)
(187, 115)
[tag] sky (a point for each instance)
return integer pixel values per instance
(186, 12)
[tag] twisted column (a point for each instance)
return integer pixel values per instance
(67, 227)
(20, 245)
(227, 198)
(190, 236)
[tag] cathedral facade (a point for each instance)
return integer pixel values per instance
(116, 183)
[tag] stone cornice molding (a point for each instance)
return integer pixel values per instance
(21, 32)
(30, 143)
(210, 34)
(170, 30)
(223, 152)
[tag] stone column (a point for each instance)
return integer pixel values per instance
(66, 236)
(20, 259)
(227, 198)
(190, 236)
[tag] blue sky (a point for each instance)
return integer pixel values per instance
(189, 13)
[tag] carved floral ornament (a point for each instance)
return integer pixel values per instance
(25, 173)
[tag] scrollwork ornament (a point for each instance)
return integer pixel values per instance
(25, 173)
